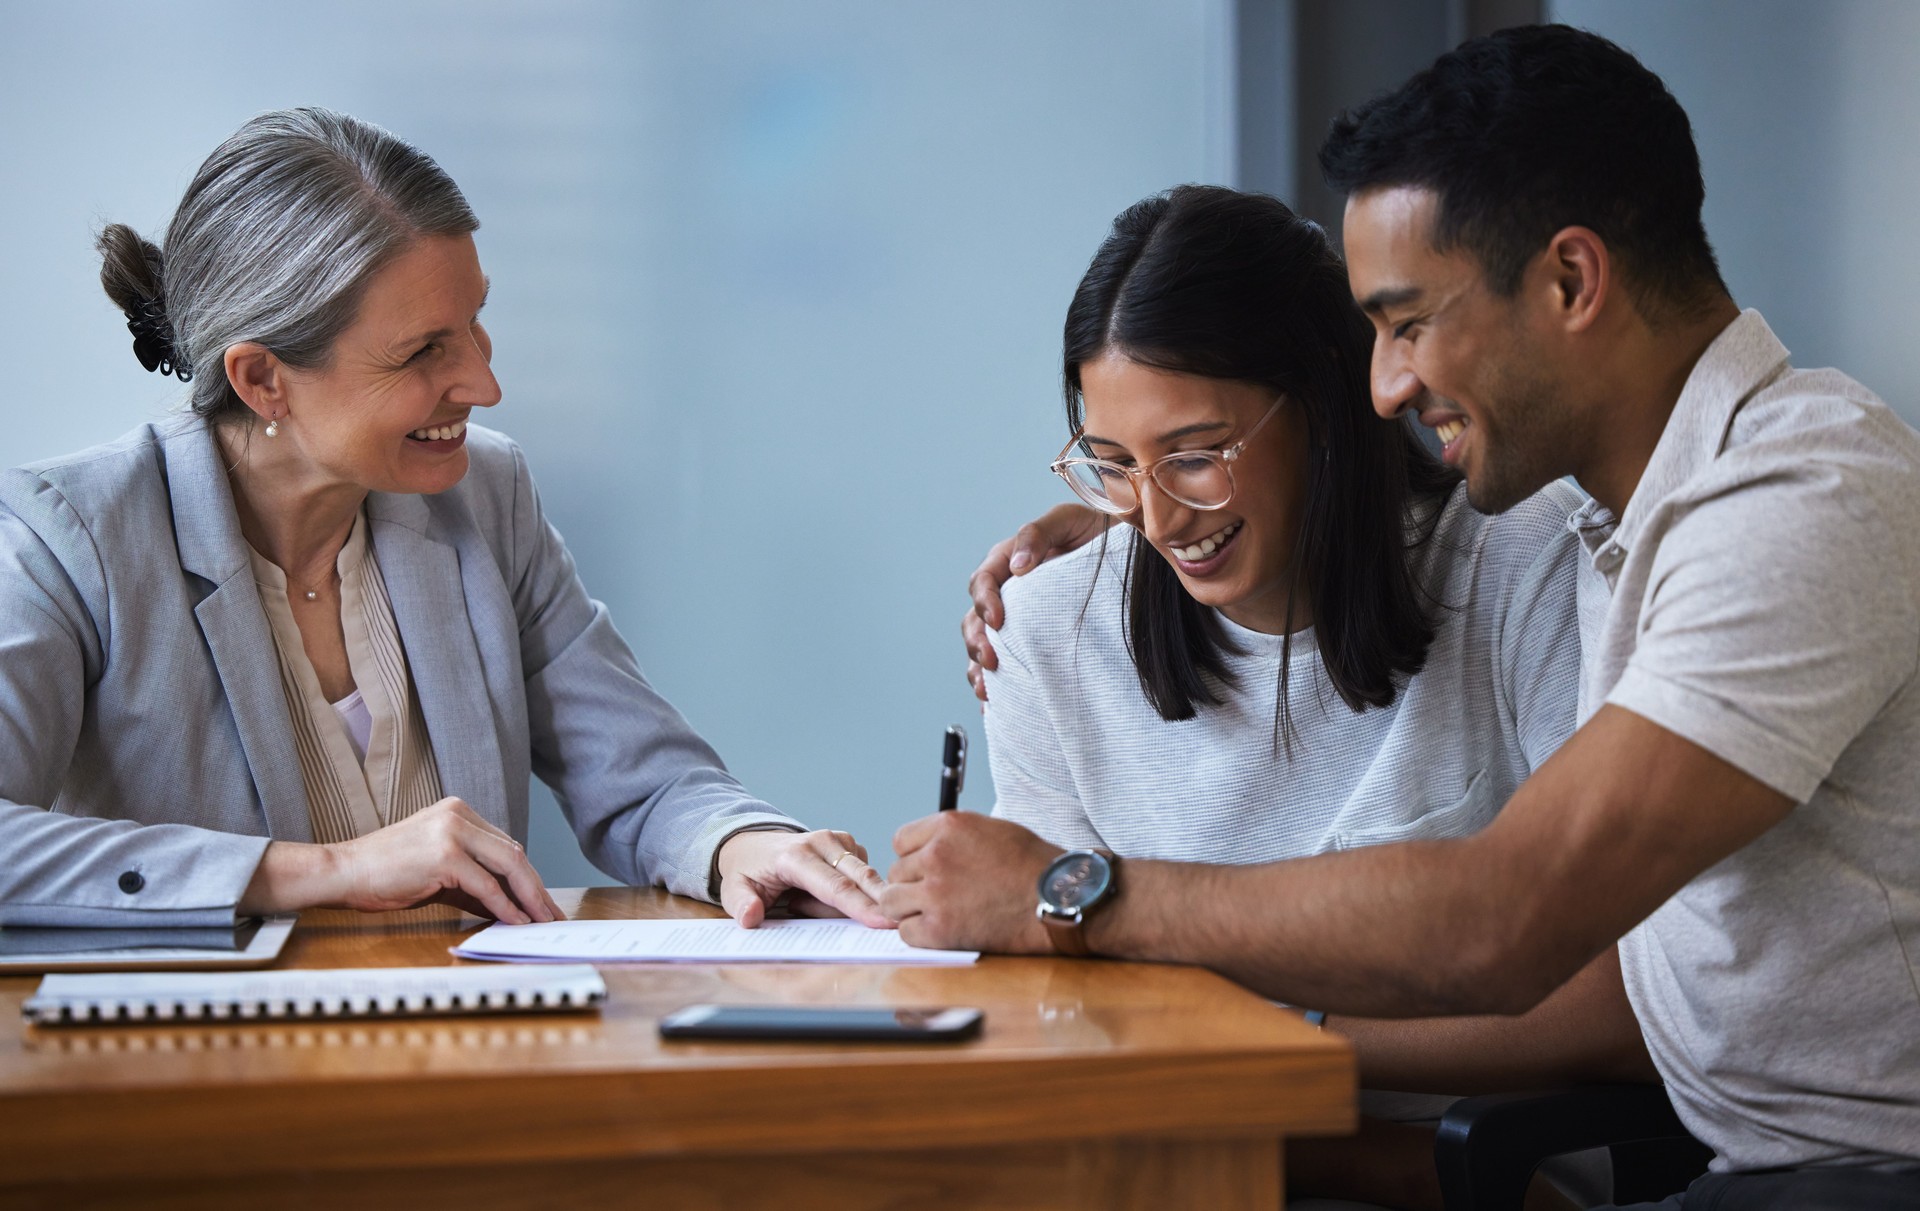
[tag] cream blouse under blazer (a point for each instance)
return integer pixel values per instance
(146, 752)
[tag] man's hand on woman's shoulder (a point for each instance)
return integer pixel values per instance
(1060, 529)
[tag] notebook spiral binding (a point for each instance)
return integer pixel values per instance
(369, 1007)
(99, 1000)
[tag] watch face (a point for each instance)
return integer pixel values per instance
(1076, 881)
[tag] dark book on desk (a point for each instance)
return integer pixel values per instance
(253, 943)
(50, 941)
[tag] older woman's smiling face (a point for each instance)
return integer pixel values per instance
(388, 413)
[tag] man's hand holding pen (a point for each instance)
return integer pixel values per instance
(964, 880)
(967, 881)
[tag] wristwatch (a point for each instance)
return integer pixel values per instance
(1074, 885)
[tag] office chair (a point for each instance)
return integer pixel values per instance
(1488, 1147)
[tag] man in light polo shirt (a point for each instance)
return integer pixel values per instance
(1740, 808)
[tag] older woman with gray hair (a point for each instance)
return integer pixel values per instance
(304, 644)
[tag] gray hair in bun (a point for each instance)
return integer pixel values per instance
(275, 242)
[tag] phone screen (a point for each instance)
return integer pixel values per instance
(822, 1022)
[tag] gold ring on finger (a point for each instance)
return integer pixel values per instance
(844, 855)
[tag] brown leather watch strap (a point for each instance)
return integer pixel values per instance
(1068, 937)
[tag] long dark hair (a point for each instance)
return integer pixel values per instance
(1210, 281)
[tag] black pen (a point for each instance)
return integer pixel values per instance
(953, 768)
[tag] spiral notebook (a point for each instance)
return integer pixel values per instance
(359, 992)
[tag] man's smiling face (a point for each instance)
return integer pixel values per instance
(1450, 349)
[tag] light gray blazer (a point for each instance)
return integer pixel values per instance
(146, 752)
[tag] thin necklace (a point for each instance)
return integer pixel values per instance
(333, 572)
(312, 594)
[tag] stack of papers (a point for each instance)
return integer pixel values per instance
(797, 941)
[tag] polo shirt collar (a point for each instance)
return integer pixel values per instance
(1593, 524)
(1742, 359)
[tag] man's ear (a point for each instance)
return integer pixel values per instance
(1576, 276)
(258, 378)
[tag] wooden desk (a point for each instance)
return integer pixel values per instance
(1096, 1085)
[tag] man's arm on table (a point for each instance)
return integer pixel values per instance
(1604, 832)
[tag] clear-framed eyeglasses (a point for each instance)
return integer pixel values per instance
(1198, 479)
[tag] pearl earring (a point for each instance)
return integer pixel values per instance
(273, 428)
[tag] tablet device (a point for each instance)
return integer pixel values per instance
(255, 942)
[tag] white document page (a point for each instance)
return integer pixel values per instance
(784, 941)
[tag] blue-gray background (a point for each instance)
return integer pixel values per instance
(778, 284)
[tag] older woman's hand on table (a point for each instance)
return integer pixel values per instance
(446, 854)
(821, 874)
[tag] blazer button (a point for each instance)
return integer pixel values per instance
(131, 882)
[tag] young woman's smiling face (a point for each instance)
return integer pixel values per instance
(1238, 558)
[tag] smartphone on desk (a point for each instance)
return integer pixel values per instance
(866, 1023)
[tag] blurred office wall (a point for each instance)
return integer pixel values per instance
(777, 294)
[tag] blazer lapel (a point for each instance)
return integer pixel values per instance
(422, 572)
(231, 619)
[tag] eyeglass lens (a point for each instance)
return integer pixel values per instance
(1194, 480)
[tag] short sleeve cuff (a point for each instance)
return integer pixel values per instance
(1721, 729)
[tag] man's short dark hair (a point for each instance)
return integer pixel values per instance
(1531, 130)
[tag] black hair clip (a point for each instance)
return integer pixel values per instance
(153, 343)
